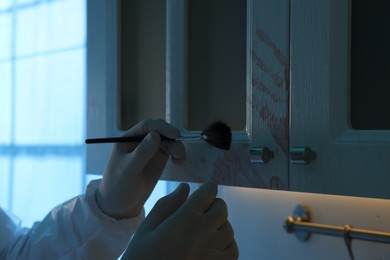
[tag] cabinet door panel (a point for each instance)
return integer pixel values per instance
(348, 161)
(266, 90)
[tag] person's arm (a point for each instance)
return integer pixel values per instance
(100, 224)
(76, 229)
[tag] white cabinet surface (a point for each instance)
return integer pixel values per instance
(258, 215)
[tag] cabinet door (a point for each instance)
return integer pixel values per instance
(348, 161)
(229, 60)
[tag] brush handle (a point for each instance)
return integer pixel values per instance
(122, 139)
(139, 138)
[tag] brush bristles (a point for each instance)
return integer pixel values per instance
(219, 135)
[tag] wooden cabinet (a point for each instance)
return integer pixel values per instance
(276, 71)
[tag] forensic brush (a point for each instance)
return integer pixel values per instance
(217, 134)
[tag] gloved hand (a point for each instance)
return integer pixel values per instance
(133, 169)
(177, 229)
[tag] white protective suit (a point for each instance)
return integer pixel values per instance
(76, 229)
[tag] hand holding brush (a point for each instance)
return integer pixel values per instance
(134, 168)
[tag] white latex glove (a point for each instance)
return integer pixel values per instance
(134, 168)
(177, 229)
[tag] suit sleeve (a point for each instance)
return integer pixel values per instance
(76, 229)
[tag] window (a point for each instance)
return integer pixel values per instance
(42, 104)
